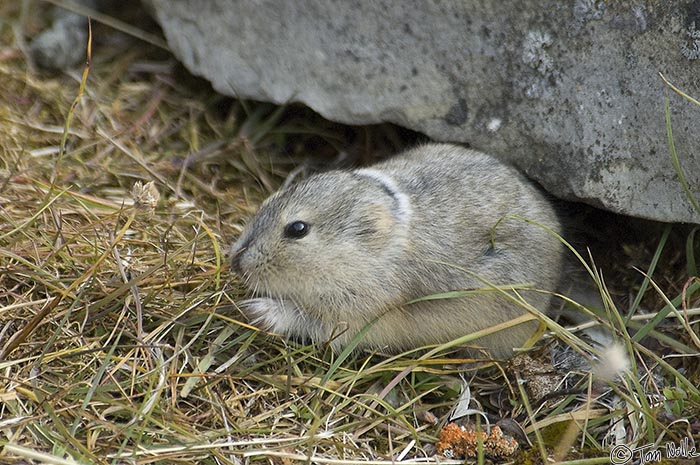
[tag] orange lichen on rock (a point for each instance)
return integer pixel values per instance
(459, 442)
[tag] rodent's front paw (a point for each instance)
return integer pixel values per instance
(280, 316)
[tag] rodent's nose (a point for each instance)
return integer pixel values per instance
(236, 261)
(236, 254)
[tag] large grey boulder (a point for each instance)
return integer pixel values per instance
(567, 90)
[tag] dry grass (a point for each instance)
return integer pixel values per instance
(120, 337)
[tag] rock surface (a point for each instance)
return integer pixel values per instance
(568, 91)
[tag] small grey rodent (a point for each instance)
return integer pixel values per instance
(341, 249)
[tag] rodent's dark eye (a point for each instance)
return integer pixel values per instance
(296, 229)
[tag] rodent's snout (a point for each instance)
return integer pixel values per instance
(236, 262)
(236, 254)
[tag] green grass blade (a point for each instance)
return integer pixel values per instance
(691, 253)
(676, 162)
(650, 272)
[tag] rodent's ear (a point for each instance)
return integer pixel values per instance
(401, 203)
(382, 217)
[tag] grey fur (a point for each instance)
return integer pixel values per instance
(398, 231)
